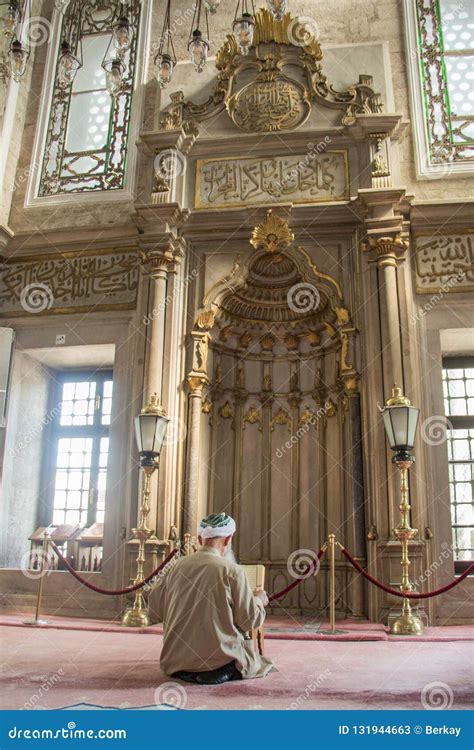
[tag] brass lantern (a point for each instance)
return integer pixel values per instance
(400, 420)
(150, 430)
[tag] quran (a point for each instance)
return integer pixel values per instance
(255, 576)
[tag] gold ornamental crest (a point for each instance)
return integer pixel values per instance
(265, 106)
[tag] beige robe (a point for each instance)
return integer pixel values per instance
(207, 605)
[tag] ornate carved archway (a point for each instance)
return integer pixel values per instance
(270, 386)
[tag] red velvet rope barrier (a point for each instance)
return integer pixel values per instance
(112, 592)
(308, 572)
(411, 595)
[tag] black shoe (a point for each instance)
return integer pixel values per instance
(219, 676)
(186, 676)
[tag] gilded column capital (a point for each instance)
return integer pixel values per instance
(197, 382)
(161, 261)
(386, 251)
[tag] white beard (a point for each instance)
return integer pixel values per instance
(229, 553)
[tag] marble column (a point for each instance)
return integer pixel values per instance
(388, 253)
(196, 380)
(160, 263)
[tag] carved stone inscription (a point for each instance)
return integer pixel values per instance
(307, 178)
(446, 259)
(69, 283)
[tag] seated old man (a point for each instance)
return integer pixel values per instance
(208, 610)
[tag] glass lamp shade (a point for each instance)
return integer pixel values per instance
(114, 70)
(150, 431)
(244, 27)
(164, 65)
(17, 57)
(212, 5)
(277, 8)
(198, 48)
(11, 19)
(68, 66)
(122, 35)
(400, 424)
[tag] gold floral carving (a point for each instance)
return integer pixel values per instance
(272, 235)
(253, 416)
(281, 417)
(226, 411)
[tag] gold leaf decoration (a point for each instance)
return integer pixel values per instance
(272, 235)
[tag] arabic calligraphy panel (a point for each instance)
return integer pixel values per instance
(69, 283)
(445, 259)
(304, 178)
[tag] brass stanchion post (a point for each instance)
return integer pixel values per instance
(44, 559)
(332, 582)
(332, 588)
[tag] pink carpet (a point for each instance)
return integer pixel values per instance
(277, 628)
(58, 667)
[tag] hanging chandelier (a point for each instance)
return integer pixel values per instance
(11, 19)
(68, 65)
(114, 72)
(198, 45)
(165, 59)
(122, 36)
(18, 57)
(69, 62)
(244, 26)
(277, 8)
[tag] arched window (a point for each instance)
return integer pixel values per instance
(440, 51)
(88, 128)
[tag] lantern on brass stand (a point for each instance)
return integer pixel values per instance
(400, 420)
(150, 430)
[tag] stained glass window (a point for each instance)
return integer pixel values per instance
(458, 385)
(87, 133)
(81, 448)
(446, 59)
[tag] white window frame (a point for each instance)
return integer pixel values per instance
(125, 194)
(425, 169)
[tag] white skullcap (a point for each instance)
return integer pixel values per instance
(216, 525)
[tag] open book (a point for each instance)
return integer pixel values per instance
(255, 575)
